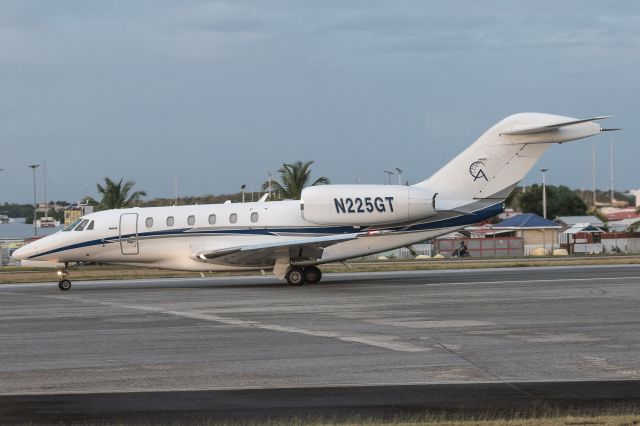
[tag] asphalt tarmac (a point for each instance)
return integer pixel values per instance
(252, 347)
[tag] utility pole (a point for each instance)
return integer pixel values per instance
(35, 203)
(544, 193)
(269, 173)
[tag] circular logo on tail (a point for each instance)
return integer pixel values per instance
(475, 169)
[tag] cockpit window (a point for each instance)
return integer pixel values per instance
(90, 226)
(81, 226)
(73, 225)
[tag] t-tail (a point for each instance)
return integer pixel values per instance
(493, 166)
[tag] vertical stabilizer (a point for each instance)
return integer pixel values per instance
(493, 165)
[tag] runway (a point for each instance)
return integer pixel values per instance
(500, 327)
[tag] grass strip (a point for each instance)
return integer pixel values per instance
(13, 274)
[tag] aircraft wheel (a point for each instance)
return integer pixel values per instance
(295, 276)
(64, 285)
(312, 274)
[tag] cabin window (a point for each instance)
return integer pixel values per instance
(73, 225)
(233, 217)
(90, 226)
(149, 222)
(170, 221)
(191, 220)
(254, 217)
(212, 219)
(82, 225)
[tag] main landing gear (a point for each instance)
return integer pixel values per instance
(297, 275)
(63, 283)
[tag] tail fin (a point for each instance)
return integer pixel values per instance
(493, 165)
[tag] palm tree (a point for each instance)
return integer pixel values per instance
(117, 195)
(293, 178)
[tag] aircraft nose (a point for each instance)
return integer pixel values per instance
(25, 252)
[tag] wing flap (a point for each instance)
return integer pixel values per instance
(549, 127)
(265, 254)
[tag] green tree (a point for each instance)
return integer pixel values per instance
(561, 201)
(293, 178)
(119, 194)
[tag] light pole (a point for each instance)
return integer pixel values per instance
(175, 190)
(544, 193)
(389, 176)
(611, 175)
(593, 174)
(35, 205)
(399, 176)
(242, 188)
(269, 173)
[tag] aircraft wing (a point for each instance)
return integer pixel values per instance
(548, 127)
(265, 254)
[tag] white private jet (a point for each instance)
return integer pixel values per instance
(329, 223)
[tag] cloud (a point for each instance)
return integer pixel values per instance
(151, 88)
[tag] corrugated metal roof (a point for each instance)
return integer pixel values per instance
(582, 227)
(528, 220)
(623, 224)
(574, 220)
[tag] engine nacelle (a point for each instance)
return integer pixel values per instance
(365, 204)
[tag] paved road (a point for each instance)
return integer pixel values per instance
(482, 326)
(334, 403)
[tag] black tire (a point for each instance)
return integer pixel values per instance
(312, 274)
(295, 276)
(64, 285)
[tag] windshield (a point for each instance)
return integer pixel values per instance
(73, 225)
(82, 225)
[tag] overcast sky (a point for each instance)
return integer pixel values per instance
(217, 93)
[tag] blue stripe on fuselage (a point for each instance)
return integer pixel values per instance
(458, 221)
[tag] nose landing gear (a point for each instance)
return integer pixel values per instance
(297, 276)
(63, 283)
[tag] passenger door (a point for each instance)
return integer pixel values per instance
(129, 233)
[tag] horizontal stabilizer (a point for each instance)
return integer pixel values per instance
(549, 127)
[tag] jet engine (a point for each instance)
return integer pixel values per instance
(358, 205)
